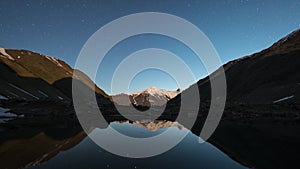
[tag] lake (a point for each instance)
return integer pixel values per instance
(46, 142)
(189, 153)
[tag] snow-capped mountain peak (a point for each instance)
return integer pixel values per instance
(147, 97)
(154, 91)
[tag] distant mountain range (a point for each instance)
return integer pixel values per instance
(147, 97)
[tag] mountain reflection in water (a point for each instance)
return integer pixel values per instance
(61, 143)
(66, 146)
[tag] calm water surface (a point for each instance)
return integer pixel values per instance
(189, 153)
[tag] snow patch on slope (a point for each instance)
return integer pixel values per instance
(44, 94)
(5, 55)
(54, 60)
(24, 91)
(3, 97)
(283, 99)
(5, 115)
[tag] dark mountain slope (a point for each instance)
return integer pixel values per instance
(29, 81)
(47, 68)
(28, 87)
(40, 72)
(260, 124)
(263, 77)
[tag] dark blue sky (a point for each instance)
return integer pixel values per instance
(60, 29)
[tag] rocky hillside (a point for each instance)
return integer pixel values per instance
(147, 97)
(26, 76)
(267, 77)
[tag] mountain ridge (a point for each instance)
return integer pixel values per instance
(146, 97)
(26, 63)
(260, 78)
(30, 81)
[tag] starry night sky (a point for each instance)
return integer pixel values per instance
(60, 29)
